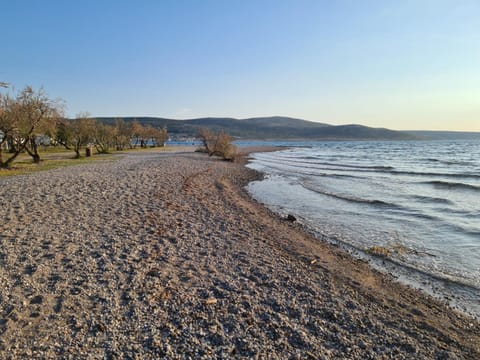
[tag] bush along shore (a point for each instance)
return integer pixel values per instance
(160, 255)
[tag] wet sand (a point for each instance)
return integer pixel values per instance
(164, 255)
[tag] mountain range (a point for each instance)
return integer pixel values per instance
(269, 128)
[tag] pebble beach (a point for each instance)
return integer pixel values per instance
(159, 255)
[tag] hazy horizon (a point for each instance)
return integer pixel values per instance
(409, 65)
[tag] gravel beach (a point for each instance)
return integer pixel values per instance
(164, 255)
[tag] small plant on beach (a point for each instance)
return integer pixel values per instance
(218, 144)
(379, 251)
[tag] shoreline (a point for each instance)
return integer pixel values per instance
(167, 255)
(462, 297)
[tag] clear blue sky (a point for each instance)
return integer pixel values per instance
(399, 64)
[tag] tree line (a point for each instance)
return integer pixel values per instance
(29, 120)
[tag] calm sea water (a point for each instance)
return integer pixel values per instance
(419, 200)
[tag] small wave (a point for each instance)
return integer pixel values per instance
(452, 185)
(475, 233)
(449, 162)
(414, 267)
(308, 158)
(442, 276)
(321, 165)
(352, 198)
(306, 170)
(420, 215)
(315, 160)
(428, 199)
(333, 166)
(469, 214)
(350, 166)
(435, 174)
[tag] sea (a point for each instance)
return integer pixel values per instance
(410, 208)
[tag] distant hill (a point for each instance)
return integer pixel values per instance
(445, 135)
(270, 128)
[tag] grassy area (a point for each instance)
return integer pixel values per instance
(53, 158)
(26, 166)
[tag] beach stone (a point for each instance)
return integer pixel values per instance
(36, 300)
(291, 218)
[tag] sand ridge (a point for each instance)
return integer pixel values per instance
(162, 255)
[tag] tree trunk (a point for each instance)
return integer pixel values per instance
(16, 151)
(11, 146)
(33, 150)
(6, 164)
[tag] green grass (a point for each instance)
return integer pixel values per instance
(57, 157)
(23, 167)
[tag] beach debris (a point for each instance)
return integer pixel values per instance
(395, 249)
(211, 301)
(291, 218)
(313, 261)
(379, 251)
(165, 294)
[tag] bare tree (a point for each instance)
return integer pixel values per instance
(7, 129)
(22, 119)
(76, 134)
(219, 144)
(122, 134)
(137, 131)
(155, 136)
(224, 146)
(46, 113)
(144, 134)
(207, 137)
(160, 136)
(103, 137)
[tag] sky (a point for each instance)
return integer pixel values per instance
(398, 64)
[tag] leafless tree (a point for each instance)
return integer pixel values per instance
(103, 137)
(23, 119)
(219, 144)
(122, 135)
(155, 136)
(137, 131)
(76, 134)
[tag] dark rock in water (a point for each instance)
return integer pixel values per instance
(291, 218)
